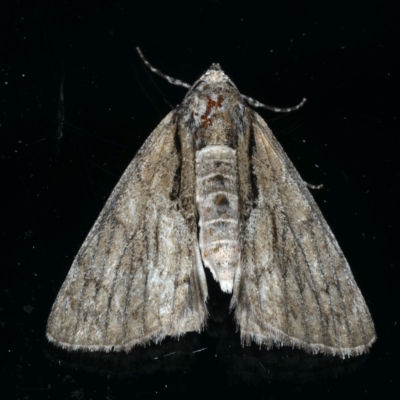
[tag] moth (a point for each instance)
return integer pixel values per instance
(211, 187)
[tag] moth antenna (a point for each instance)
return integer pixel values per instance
(171, 80)
(257, 104)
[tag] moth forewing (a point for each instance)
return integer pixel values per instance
(136, 278)
(211, 187)
(296, 287)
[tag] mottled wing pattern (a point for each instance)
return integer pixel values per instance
(138, 275)
(294, 286)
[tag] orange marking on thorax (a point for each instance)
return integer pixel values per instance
(210, 105)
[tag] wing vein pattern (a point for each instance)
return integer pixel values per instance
(287, 244)
(136, 277)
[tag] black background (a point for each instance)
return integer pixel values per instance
(59, 165)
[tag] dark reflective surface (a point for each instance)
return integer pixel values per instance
(76, 105)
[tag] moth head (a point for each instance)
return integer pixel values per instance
(214, 74)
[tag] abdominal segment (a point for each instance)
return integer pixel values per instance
(217, 204)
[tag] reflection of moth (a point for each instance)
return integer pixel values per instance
(211, 187)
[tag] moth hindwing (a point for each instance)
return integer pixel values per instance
(211, 187)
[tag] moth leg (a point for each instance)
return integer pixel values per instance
(314, 187)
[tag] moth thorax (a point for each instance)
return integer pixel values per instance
(217, 204)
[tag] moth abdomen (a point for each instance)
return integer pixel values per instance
(217, 203)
